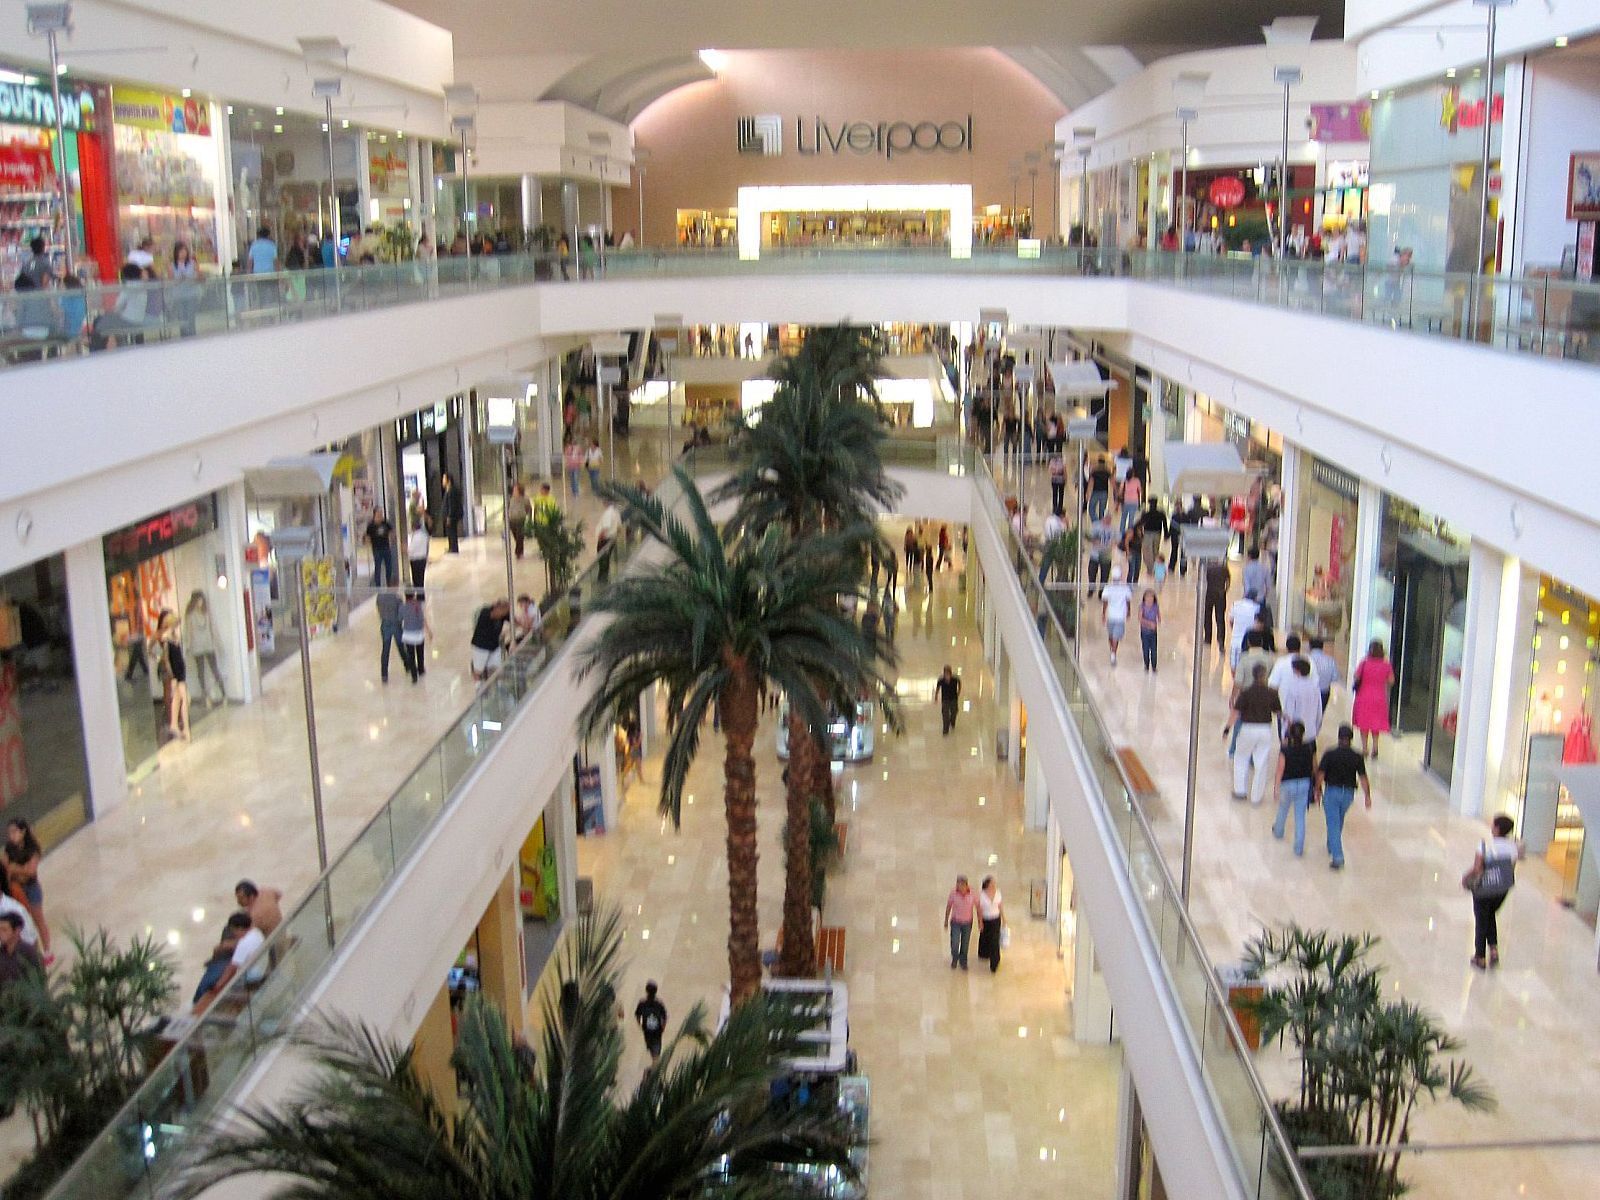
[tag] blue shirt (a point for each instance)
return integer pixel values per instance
(1255, 579)
(263, 256)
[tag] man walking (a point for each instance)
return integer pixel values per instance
(1216, 584)
(380, 534)
(958, 909)
(1336, 777)
(1253, 711)
(1325, 668)
(388, 606)
(947, 690)
(1116, 599)
(651, 1015)
(18, 959)
(488, 638)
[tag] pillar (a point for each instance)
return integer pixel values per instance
(432, 1047)
(240, 664)
(649, 720)
(1369, 526)
(1036, 813)
(1482, 730)
(1130, 1137)
(1091, 999)
(501, 964)
(89, 615)
(1288, 519)
(604, 751)
(561, 828)
(1052, 870)
(1013, 726)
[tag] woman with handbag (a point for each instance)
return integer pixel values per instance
(992, 932)
(1493, 874)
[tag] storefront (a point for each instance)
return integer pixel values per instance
(1418, 605)
(1323, 556)
(169, 569)
(30, 196)
(315, 492)
(707, 228)
(170, 173)
(865, 216)
(43, 766)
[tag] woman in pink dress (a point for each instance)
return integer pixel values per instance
(1370, 712)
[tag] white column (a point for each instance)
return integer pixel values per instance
(241, 667)
(89, 615)
(1035, 797)
(603, 750)
(1369, 524)
(1128, 1135)
(1013, 726)
(1493, 584)
(561, 827)
(649, 723)
(1052, 870)
(1288, 518)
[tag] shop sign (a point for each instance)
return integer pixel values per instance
(1227, 192)
(881, 138)
(388, 172)
(160, 112)
(28, 104)
(1341, 122)
(1335, 480)
(132, 545)
(25, 168)
(1456, 114)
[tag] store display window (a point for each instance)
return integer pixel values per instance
(167, 172)
(167, 585)
(43, 768)
(1324, 554)
(704, 227)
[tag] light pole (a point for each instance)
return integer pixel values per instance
(1056, 150)
(666, 327)
(53, 20)
(1287, 77)
(1083, 139)
(500, 404)
(1082, 430)
(1201, 544)
(1031, 158)
(463, 124)
(1185, 115)
(1494, 7)
(641, 158)
(1016, 178)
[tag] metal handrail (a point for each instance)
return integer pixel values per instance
(1214, 986)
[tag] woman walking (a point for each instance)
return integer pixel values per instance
(418, 544)
(1493, 874)
(992, 912)
(1370, 711)
(177, 675)
(415, 631)
(1297, 767)
(1149, 623)
(203, 646)
(23, 855)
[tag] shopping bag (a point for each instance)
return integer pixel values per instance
(1005, 937)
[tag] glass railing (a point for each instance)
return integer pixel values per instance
(1266, 1160)
(131, 1157)
(1538, 314)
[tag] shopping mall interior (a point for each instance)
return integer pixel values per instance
(883, 435)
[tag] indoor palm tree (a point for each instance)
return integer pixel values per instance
(723, 618)
(699, 1124)
(813, 463)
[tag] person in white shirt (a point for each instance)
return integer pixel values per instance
(30, 934)
(1300, 698)
(1054, 527)
(992, 914)
(244, 950)
(1325, 668)
(1283, 668)
(418, 544)
(1116, 600)
(1243, 615)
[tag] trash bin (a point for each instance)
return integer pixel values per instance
(1244, 990)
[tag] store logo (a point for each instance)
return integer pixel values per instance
(761, 135)
(886, 138)
(1456, 114)
(24, 104)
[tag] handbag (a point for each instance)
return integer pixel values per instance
(1495, 878)
(1005, 937)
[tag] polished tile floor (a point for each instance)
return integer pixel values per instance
(978, 1089)
(1531, 1029)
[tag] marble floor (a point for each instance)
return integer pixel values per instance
(978, 1089)
(1530, 1029)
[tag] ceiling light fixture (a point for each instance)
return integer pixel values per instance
(714, 60)
(1561, 42)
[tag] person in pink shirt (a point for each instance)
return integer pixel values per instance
(958, 911)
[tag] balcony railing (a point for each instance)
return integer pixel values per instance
(1543, 314)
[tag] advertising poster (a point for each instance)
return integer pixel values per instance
(591, 810)
(261, 610)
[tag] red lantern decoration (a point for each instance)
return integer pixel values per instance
(1227, 192)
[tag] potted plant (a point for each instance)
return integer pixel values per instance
(560, 545)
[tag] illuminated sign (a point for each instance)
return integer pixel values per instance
(133, 544)
(1456, 114)
(886, 138)
(159, 111)
(26, 104)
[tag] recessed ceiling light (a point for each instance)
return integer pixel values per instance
(277, 129)
(1561, 42)
(1450, 73)
(714, 60)
(278, 111)
(187, 93)
(344, 124)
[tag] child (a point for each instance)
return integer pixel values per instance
(1149, 622)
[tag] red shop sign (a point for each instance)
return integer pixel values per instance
(24, 168)
(1227, 192)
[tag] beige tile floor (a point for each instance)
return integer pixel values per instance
(978, 1088)
(1531, 1029)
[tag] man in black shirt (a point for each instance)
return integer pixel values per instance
(1099, 489)
(1216, 610)
(381, 534)
(948, 692)
(488, 636)
(1337, 774)
(1155, 525)
(1254, 709)
(652, 1017)
(17, 958)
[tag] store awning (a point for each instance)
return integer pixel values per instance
(293, 478)
(1078, 377)
(1205, 469)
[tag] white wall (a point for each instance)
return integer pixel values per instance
(516, 137)
(247, 52)
(1562, 98)
(1433, 37)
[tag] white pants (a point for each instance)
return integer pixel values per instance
(1258, 746)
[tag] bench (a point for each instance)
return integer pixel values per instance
(1144, 787)
(830, 949)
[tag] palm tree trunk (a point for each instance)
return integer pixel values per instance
(739, 715)
(799, 957)
(822, 773)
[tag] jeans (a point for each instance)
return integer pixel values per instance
(419, 572)
(1130, 513)
(572, 480)
(1257, 746)
(391, 636)
(960, 937)
(1336, 802)
(1097, 505)
(947, 716)
(383, 572)
(1058, 496)
(1147, 644)
(594, 479)
(1295, 793)
(1216, 613)
(1485, 926)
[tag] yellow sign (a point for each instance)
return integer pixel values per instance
(160, 111)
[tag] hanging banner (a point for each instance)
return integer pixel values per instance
(25, 168)
(160, 111)
(591, 809)
(261, 611)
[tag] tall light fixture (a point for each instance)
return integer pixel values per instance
(53, 20)
(1032, 159)
(641, 159)
(1083, 139)
(1187, 89)
(1287, 77)
(1494, 7)
(1016, 178)
(328, 89)
(1201, 544)
(461, 99)
(1056, 151)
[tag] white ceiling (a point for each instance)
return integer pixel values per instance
(631, 52)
